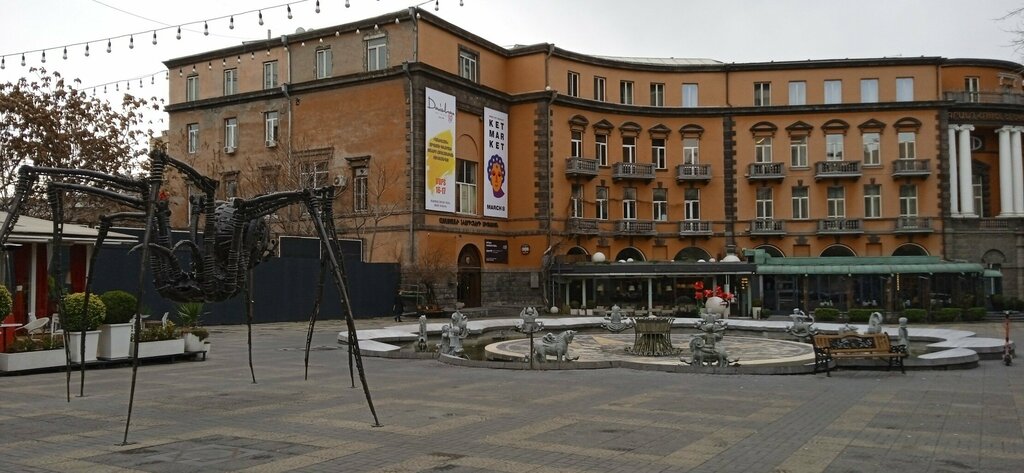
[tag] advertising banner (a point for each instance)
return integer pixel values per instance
(496, 163)
(440, 151)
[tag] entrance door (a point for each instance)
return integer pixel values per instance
(468, 291)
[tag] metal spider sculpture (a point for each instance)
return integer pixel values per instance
(235, 238)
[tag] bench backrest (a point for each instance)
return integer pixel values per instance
(853, 342)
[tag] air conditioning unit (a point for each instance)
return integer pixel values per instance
(340, 181)
(229, 150)
(271, 144)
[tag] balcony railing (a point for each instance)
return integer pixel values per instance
(914, 225)
(840, 226)
(767, 226)
(634, 227)
(911, 168)
(694, 227)
(693, 172)
(763, 171)
(837, 169)
(582, 226)
(580, 167)
(633, 171)
(963, 96)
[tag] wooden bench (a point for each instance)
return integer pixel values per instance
(832, 347)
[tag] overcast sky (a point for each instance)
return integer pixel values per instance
(725, 30)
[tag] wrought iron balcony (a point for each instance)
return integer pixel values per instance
(582, 226)
(634, 227)
(840, 226)
(766, 171)
(633, 171)
(693, 172)
(695, 228)
(964, 96)
(911, 168)
(584, 167)
(767, 226)
(914, 225)
(837, 169)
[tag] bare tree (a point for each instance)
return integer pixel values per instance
(431, 269)
(374, 204)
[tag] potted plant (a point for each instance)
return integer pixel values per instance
(755, 308)
(27, 353)
(161, 340)
(190, 315)
(116, 333)
(76, 319)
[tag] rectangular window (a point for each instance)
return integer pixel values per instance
(193, 138)
(572, 85)
(972, 86)
(798, 92)
(872, 149)
(908, 200)
(763, 149)
(601, 149)
(230, 81)
(191, 88)
(230, 185)
(798, 151)
(801, 204)
(660, 204)
(869, 90)
(377, 53)
(601, 201)
(576, 145)
(360, 193)
(690, 95)
(691, 204)
(834, 147)
(324, 63)
(763, 203)
(629, 149)
(833, 91)
(313, 174)
(657, 94)
(626, 92)
(629, 203)
(599, 89)
(270, 75)
(691, 151)
(577, 200)
(762, 94)
(465, 183)
(469, 65)
(268, 178)
(908, 144)
(230, 134)
(873, 201)
(836, 202)
(270, 120)
(904, 89)
(658, 153)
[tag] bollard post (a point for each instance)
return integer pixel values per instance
(1007, 357)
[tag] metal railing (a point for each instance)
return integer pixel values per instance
(833, 226)
(582, 226)
(634, 227)
(911, 167)
(767, 226)
(965, 96)
(694, 227)
(914, 225)
(766, 171)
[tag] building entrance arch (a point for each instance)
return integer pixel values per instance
(468, 289)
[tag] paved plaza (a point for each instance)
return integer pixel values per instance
(208, 416)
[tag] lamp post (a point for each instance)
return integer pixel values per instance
(1007, 357)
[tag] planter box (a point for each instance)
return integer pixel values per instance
(160, 348)
(115, 340)
(192, 343)
(31, 360)
(92, 345)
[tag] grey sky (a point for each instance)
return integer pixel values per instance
(725, 30)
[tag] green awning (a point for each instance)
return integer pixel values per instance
(992, 273)
(928, 268)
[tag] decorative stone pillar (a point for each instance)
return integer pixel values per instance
(966, 176)
(1018, 172)
(954, 183)
(1006, 188)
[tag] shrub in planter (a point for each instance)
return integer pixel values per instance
(74, 316)
(27, 344)
(826, 314)
(200, 332)
(974, 314)
(914, 315)
(120, 306)
(190, 313)
(156, 334)
(947, 314)
(859, 315)
(5, 302)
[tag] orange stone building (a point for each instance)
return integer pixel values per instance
(502, 173)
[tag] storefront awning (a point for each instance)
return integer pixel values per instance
(850, 265)
(652, 269)
(992, 273)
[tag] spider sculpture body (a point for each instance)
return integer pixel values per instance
(234, 239)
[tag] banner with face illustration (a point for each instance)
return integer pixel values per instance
(496, 163)
(440, 151)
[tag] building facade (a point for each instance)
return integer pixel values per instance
(489, 172)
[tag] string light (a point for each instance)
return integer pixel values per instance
(239, 60)
(179, 72)
(22, 59)
(206, 29)
(154, 37)
(193, 68)
(65, 52)
(179, 31)
(209, 66)
(87, 50)
(318, 6)
(347, 4)
(252, 55)
(231, 23)
(3, 63)
(437, 5)
(131, 42)
(108, 45)
(43, 60)
(223, 63)
(152, 80)
(261, 17)
(289, 11)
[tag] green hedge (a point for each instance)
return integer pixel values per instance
(974, 314)
(947, 314)
(74, 310)
(826, 314)
(914, 315)
(860, 315)
(120, 306)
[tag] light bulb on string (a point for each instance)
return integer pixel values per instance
(152, 80)
(375, 27)
(209, 66)
(140, 83)
(104, 88)
(193, 68)
(252, 55)
(231, 23)
(318, 6)
(117, 87)
(239, 60)
(396, 21)
(223, 63)
(337, 33)
(127, 85)
(460, 3)
(437, 5)
(86, 50)
(22, 59)
(302, 44)
(261, 17)
(179, 72)
(321, 41)
(154, 37)
(3, 63)
(289, 11)
(347, 5)
(179, 32)
(43, 59)
(65, 52)
(131, 42)
(206, 29)
(108, 45)
(357, 30)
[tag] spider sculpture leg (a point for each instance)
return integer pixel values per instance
(313, 316)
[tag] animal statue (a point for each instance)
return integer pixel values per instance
(225, 241)
(704, 354)
(554, 345)
(874, 323)
(421, 340)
